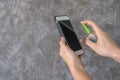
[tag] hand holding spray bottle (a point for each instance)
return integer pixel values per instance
(88, 31)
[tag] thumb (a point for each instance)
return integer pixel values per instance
(90, 43)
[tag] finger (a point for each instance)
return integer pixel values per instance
(90, 43)
(93, 25)
(60, 52)
(62, 42)
(83, 46)
(81, 41)
(94, 33)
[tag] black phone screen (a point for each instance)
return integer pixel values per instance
(70, 35)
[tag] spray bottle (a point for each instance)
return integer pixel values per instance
(88, 31)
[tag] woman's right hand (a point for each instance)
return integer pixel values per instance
(104, 46)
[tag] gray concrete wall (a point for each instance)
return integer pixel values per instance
(29, 48)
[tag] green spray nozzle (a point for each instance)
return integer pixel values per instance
(86, 29)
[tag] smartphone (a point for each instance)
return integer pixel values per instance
(65, 29)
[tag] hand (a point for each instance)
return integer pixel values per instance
(104, 46)
(67, 54)
(73, 61)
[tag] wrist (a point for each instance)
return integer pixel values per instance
(77, 66)
(79, 73)
(116, 55)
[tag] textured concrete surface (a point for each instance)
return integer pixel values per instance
(29, 38)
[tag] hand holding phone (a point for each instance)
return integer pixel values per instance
(65, 29)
